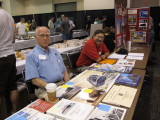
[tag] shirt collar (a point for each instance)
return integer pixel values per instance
(42, 49)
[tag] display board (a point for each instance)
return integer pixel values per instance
(121, 25)
(95, 27)
(138, 24)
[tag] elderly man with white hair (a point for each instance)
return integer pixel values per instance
(43, 64)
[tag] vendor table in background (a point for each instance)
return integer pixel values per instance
(24, 44)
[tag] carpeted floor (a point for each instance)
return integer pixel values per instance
(148, 106)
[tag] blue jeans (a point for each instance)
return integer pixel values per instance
(65, 36)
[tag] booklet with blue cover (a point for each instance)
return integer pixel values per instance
(128, 79)
(107, 112)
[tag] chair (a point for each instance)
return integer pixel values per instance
(72, 58)
(30, 87)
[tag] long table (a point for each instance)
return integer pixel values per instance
(23, 44)
(130, 111)
(140, 69)
(142, 64)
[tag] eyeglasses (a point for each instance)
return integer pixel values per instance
(43, 36)
(100, 37)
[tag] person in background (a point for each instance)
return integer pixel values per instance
(28, 25)
(72, 26)
(21, 29)
(97, 21)
(43, 64)
(51, 25)
(8, 83)
(94, 50)
(105, 22)
(112, 34)
(33, 25)
(88, 25)
(62, 16)
(57, 25)
(64, 26)
(108, 40)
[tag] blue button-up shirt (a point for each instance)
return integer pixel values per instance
(47, 66)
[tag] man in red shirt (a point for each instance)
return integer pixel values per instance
(93, 51)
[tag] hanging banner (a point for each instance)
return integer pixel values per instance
(121, 25)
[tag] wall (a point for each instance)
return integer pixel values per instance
(6, 5)
(38, 6)
(144, 3)
(80, 3)
(17, 7)
(98, 4)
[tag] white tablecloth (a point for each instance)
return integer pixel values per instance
(20, 66)
(79, 34)
(23, 44)
(31, 33)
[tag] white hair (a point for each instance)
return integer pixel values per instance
(37, 29)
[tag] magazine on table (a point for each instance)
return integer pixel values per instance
(128, 79)
(70, 110)
(111, 68)
(120, 95)
(67, 91)
(107, 112)
(126, 62)
(88, 96)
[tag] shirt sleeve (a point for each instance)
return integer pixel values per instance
(91, 52)
(31, 69)
(61, 63)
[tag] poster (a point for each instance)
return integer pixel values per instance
(132, 20)
(138, 24)
(143, 13)
(119, 41)
(118, 26)
(132, 11)
(143, 25)
(138, 36)
(124, 38)
(132, 28)
(121, 25)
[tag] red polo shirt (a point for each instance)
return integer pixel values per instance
(90, 53)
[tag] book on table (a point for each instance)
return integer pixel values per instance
(95, 79)
(41, 105)
(88, 96)
(30, 114)
(70, 110)
(24, 114)
(120, 95)
(107, 112)
(128, 79)
(111, 68)
(126, 62)
(108, 61)
(136, 54)
(67, 91)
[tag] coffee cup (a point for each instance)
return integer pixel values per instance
(51, 91)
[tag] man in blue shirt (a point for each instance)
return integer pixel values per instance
(43, 64)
